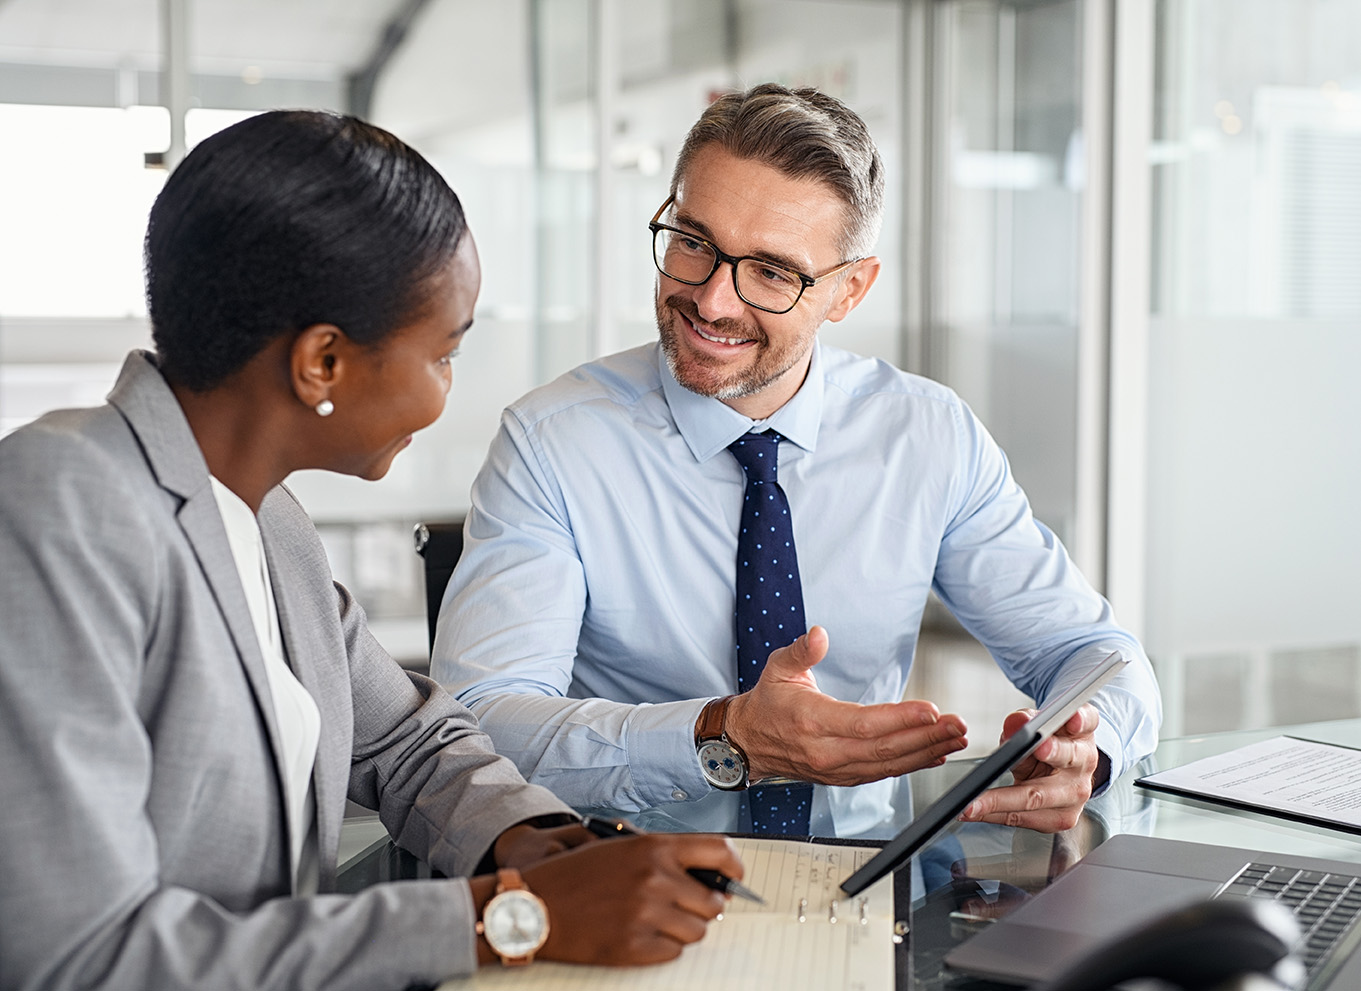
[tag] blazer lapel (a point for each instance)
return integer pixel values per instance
(314, 659)
(151, 410)
(202, 525)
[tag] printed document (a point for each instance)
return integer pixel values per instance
(1285, 776)
(804, 937)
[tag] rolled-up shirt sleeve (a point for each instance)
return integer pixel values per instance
(1011, 583)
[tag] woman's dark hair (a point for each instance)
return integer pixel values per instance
(285, 220)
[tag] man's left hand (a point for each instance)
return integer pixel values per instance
(1052, 784)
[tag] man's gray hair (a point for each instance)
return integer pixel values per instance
(803, 134)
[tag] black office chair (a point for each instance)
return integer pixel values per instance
(440, 544)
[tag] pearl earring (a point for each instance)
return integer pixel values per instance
(325, 408)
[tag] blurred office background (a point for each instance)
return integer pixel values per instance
(1128, 232)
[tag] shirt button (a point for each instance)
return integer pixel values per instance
(679, 795)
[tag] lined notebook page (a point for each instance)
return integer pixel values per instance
(757, 946)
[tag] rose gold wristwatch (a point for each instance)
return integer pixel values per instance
(514, 921)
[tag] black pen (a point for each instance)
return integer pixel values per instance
(710, 879)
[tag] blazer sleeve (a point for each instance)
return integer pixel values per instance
(417, 755)
(84, 903)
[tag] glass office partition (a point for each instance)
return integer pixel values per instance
(560, 138)
(619, 86)
(1002, 322)
(1254, 451)
(562, 52)
(1007, 99)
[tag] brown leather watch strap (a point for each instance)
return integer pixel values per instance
(712, 719)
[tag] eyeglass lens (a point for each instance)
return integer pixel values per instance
(688, 259)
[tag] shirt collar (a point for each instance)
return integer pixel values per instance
(710, 425)
(242, 526)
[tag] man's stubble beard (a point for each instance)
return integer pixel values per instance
(756, 376)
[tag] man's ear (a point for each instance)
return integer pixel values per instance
(315, 364)
(854, 286)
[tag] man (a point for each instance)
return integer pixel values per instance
(605, 590)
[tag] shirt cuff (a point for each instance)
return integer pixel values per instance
(661, 752)
(1108, 742)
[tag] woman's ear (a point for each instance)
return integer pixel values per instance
(315, 367)
(854, 287)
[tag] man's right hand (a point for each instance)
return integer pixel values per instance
(788, 728)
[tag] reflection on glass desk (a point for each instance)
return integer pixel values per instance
(975, 872)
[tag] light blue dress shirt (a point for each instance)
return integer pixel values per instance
(591, 615)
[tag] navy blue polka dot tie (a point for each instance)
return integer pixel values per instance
(769, 609)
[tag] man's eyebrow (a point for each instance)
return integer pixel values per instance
(784, 261)
(685, 220)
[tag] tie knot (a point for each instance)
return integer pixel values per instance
(758, 454)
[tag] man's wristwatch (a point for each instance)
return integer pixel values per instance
(721, 761)
(515, 921)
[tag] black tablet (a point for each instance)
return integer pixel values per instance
(1019, 745)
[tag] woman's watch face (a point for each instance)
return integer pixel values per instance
(515, 924)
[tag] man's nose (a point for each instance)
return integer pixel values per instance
(717, 299)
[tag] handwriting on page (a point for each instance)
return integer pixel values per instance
(804, 937)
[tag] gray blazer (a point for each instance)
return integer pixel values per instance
(143, 841)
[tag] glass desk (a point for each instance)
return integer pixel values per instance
(973, 871)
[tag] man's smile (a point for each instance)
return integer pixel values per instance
(733, 341)
(714, 334)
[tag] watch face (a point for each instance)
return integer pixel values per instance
(721, 764)
(515, 923)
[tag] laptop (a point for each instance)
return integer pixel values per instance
(1018, 746)
(1132, 879)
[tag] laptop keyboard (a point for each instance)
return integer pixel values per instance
(1325, 905)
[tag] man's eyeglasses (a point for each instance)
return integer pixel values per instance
(689, 258)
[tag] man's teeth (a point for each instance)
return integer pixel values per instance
(720, 340)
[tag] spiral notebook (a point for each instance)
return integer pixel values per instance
(807, 935)
(829, 921)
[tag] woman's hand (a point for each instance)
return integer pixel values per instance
(630, 901)
(524, 845)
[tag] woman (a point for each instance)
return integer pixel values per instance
(186, 698)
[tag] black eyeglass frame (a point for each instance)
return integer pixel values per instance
(806, 282)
